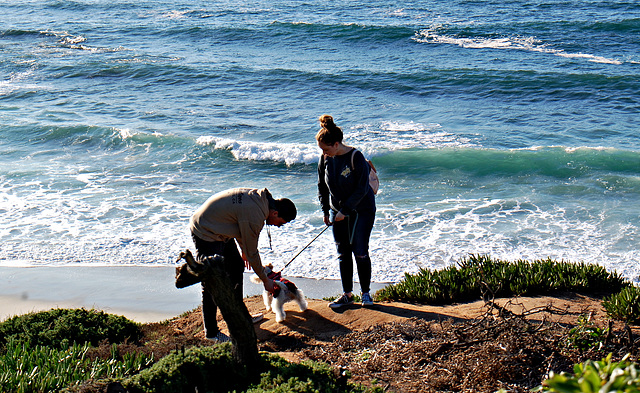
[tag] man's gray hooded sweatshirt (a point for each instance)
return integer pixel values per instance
(240, 214)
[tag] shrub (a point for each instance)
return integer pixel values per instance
(280, 376)
(596, 376)
(212, 369)
(207, 369)
(25, 369)
(624, 306)
(587, 335)
(60, 328)
(478, 275)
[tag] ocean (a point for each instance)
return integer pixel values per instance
(501, 128)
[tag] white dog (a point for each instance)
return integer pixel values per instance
(285, 291)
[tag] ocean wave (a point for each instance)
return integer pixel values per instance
(96, 138)
(405, 238)
(283, 33)
(204, 13)
(407, 148)
(70, 5)
(524, 43)
(626, 26)
(396, 135)
(372, 140)
(518, 84)
(289, 154)
(555, 162)
(413, 149)
(62, 39)
(19, 33)
(17, 81)
(343, 31)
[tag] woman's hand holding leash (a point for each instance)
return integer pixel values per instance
(339, 217)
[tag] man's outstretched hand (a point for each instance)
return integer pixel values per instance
(268, 285)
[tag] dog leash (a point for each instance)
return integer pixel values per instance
(353, 231)
(305, 247)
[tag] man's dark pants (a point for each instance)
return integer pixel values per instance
(233, 265)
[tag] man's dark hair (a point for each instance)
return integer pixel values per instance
(285, 208)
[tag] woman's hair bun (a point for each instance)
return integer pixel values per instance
(327, 121)
(330, 133)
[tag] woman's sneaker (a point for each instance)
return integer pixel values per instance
(344, 300)
(366, 299)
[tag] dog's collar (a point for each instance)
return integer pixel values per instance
(275, 276)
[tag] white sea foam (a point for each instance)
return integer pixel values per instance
(394, 135)
(531, 44)
(175, 14)
(371, 139)
(125, 133)
(18, 81)
(72, 40)
(407, 236)
(444, 232)
(593, 58)
(85, 177)
(107, 218)
(288, 153)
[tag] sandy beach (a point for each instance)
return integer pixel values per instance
(140, 293)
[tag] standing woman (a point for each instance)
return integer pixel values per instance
(348, 202)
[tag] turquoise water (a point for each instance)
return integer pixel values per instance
(501, 128)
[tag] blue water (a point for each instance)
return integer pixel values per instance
(507, 128)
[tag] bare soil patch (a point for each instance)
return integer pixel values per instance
(473, 347)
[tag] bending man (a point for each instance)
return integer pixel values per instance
(238, 214)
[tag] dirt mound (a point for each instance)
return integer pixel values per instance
(321, 323)
(475, 347)
(415, 348)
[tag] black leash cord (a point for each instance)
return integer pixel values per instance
(305, 247)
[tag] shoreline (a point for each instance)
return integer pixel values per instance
(141, 293)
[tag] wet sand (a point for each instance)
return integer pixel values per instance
(140, 293)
